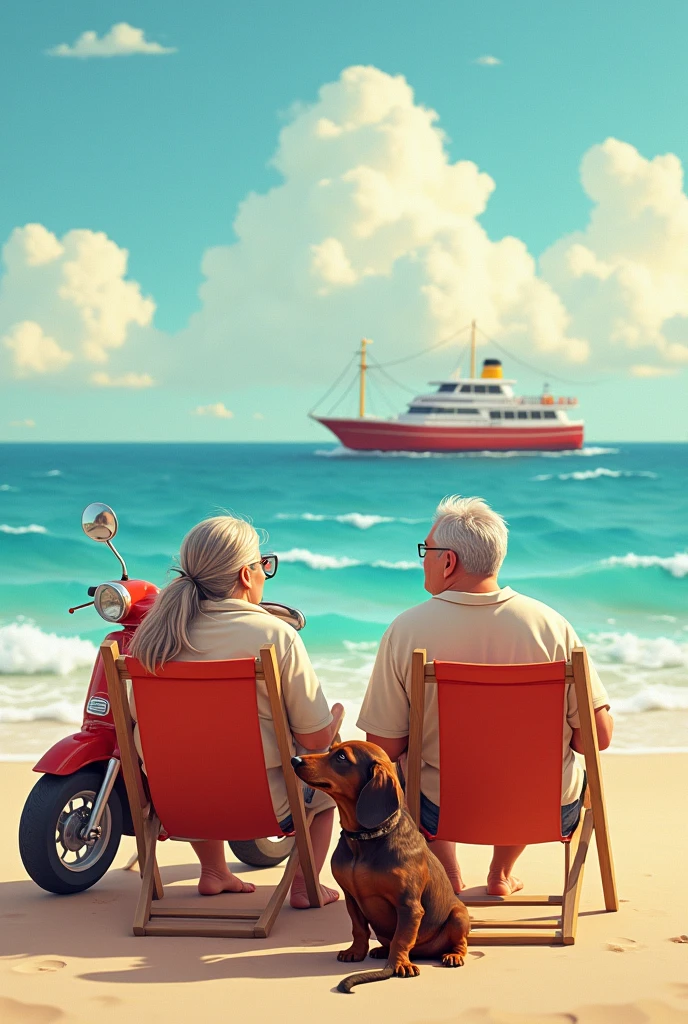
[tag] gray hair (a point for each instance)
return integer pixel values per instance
(211, 557)
(476, 533)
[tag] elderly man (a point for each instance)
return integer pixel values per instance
(472, 619)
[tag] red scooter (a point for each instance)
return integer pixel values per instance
(77, 812)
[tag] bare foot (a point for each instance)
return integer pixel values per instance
(299, 897)
(212, 884)
(498, 885)
(457, 882)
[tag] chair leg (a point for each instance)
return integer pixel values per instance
(266, 920)
(574, 879)
(151, 877)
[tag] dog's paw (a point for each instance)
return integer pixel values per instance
(351, 955)
(379, 953)
(405, 969)
(453, 959)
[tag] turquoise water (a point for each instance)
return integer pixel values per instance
(600, 534)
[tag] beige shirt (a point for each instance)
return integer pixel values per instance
(498, 628)
(236, 629)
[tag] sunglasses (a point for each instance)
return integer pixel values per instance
(268, 564)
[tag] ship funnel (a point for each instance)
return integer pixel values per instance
(492, 368)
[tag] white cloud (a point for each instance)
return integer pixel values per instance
(218, 411)
(33, 351)
(372, 231)
(72, 294)
(487, 61)
(644, 370)
(624, 278)
(122, 40)
(23, 423)
(125, 380)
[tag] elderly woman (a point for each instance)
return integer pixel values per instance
(212, 612)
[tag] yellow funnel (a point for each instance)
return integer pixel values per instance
(492, 368)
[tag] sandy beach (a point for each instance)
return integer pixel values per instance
(63, 959)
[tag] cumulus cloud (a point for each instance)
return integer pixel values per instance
(217, 410)
(33, 351)
(645, 370)
(122, 40)
(23, 423)
(66, 300)
(487, 61)
(125, 380)
(624, 278)
(373, 230)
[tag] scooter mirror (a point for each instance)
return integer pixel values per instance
(99, 522)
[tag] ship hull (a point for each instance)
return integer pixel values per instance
(390, 436)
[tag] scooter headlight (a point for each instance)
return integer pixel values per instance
(112, 601)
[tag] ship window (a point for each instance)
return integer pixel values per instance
(447, 388)
(479, 389)
(494, 389)
(522, 414)
(549, 415)
(422, 409)
(537, 415)
(508, 416)
(469, 412)
(466, 389)
(495, 414)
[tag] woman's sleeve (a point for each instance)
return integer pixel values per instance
(307, 708)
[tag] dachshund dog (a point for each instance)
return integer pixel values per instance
(391, 880)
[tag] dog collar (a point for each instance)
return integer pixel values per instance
(382, 830)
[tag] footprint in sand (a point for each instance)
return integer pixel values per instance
(12, 1011)
(39, 966)
(623, 945)
(679, 938)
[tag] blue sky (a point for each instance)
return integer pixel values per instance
(159, 151)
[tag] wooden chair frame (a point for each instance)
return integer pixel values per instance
(559, 930)
(157, 916)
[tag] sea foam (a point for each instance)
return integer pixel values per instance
(317, 561)
(361, 520)
(31, 528)
(676, 564)
(641, 652)
(340, 452)
(27, 650)
(596, 474)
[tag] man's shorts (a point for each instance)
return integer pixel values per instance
(430, 812)
(315, 799)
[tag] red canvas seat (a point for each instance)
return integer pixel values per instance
(205, 773)
(501, 732)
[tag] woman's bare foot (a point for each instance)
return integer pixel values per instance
(498, 885)
(299, 897)
(457, 882)
(213, 883)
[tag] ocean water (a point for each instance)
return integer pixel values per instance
(599, 534)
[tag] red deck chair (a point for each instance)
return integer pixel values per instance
(504, 724)
(205, 772)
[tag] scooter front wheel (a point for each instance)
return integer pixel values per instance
(263, 853)
(51, 845)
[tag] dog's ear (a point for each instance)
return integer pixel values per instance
(378, 799)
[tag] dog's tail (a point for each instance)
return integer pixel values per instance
(363, 977)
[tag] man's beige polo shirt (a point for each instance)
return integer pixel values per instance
(499, 628)
(237, 629)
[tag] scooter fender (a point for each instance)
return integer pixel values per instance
(74, 752)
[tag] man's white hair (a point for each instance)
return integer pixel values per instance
(474, 531)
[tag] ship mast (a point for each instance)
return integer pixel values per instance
(473, 349)
(364, 367)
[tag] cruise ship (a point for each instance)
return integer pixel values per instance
(477, 413)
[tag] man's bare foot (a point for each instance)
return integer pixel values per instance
(457, 882)
(498, 885)
(299, 897)
(212, 884)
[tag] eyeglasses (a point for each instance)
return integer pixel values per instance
(423, 550)
(268, 563)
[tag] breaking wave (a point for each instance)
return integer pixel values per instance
(640, 652)
(361, 520)
(27, 650)
(316, 561)
(676, 564)
(595, 474)
(32, 528)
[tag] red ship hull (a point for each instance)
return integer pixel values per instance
(390, 436)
